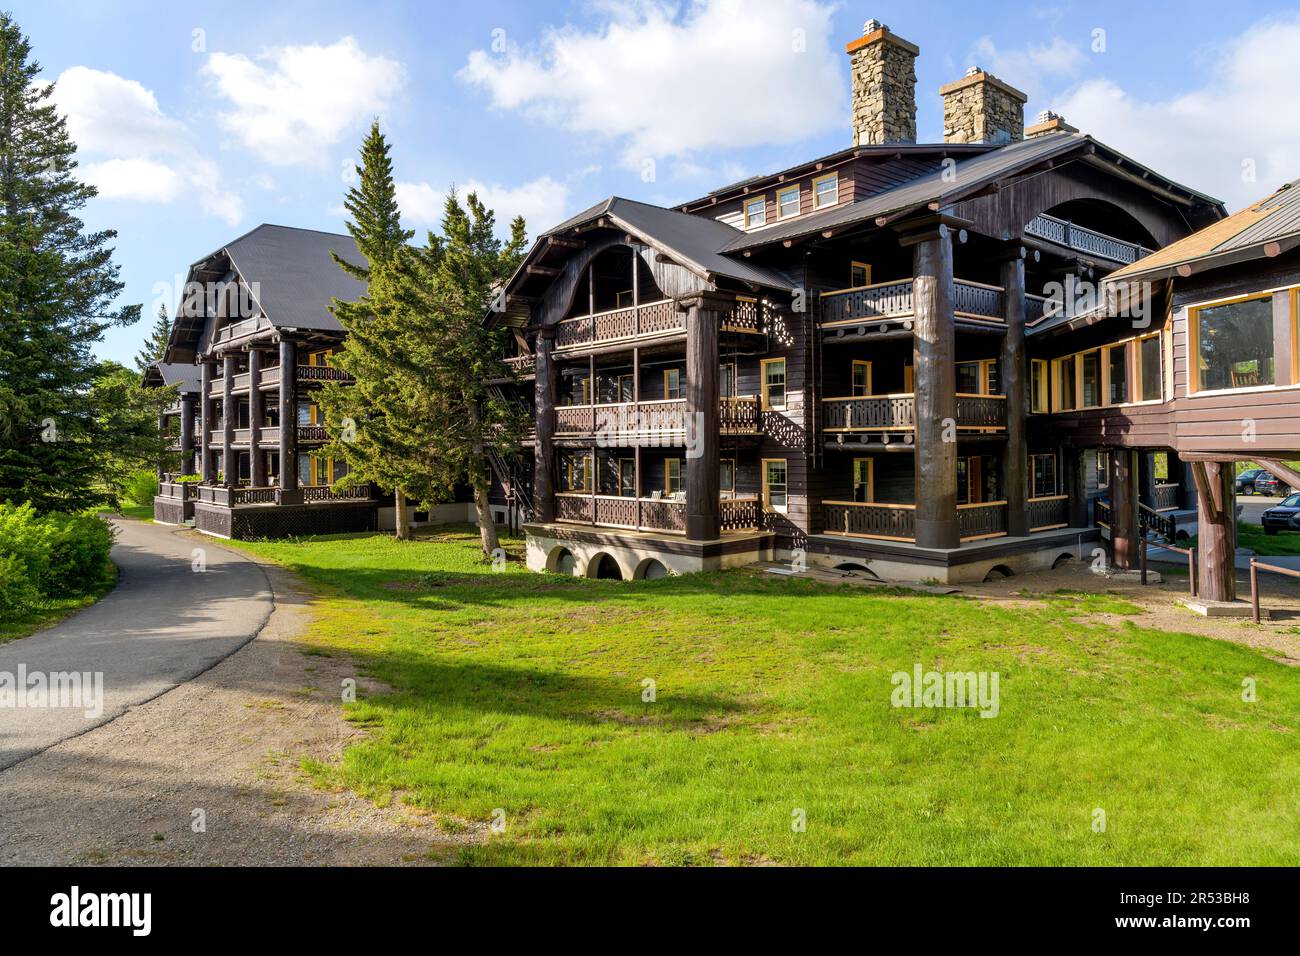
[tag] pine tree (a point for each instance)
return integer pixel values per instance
(58, 284)
(156, 344)
(365, 419)
(445, 294)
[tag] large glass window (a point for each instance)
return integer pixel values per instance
(1234, 344)
(1117, 372)
(1149, 360)
(1091, 377)
(1042, 476)
(774, 383)
(774, 484)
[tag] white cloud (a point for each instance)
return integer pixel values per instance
(131, 150)
(1245, 117)
(726, 73)
(543, 203)
(1030, 68)
(293, 102)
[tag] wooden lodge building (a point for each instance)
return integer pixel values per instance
(874, 359)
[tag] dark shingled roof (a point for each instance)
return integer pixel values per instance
(295, 276)
(167, 373)
(694, 239)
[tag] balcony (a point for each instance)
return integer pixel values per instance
(735, 515)
(1065, 233)
(897, 522)
(631, 422)
(651, 320)
(897, 413)
(1048, 512)
(269, 435)
(246, 495)
(241, 382)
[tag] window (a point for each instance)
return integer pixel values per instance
(1066, 379)
(1233, 344)
(756, 212)
(673, 387)
(864, 486)
(826, 190)
(576, 473)
(307, 413)
(1117, 374)
(338, 469)
(727, 381)
(1160, 467)
(1103, 468)
(861, 378)
(977, 378)
(1038, 385)
(1090, 375)
(859, 274)
(907, 378)
(627, 477)
(1149, 380)
(1042, 476)
(787, 202)
(727, 477)
(774, 484)
(623, 390)
(305, 463)
(774, 383)
(674, 475)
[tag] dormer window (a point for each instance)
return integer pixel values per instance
(826, 190)
(755, 212)
(787, 202)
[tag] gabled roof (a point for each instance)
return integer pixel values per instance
(166, 373)
(695, 240)
(1242, 236)
(942, 187)
(295, 276)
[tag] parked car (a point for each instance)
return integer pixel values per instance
(1246, 480)
(1282, 517)
(1267, 484)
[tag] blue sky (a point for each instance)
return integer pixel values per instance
(199, 122)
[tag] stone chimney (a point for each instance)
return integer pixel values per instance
(884, 86)
(1049, 122)
(980, 108)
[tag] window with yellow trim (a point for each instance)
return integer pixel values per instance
(1116, 365)
(1149, 372)
(1042, 476)
(727, 477)
(756, 212)
(826, 190)
(861, 384)
(864, 484)
(627, 477)
(787, 202)
(1038, 382)
(576, 471)
(774, 484)
(774, 383)
(859, 274)
(673, 384)
(1233, 345)
(674, 475)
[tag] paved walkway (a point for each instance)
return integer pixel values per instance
(163, 624)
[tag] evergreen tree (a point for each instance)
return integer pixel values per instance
(365, 419)
(130, 413)
(156, 344)
(58, 284)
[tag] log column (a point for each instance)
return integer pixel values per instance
(229, 466)
(187, 433)
(1216, 513)
(256, 415)
(544, 401)
(935, 386)
(703, 320)
(288, 415)
(1123, 509)
(207, 422)
(1075, 467)
(1015, 481)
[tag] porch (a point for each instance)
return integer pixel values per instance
(659, 514)
(975, 302)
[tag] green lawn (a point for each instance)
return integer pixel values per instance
(53, 610)
(524, 692)
(138, 512)
(1252, 536)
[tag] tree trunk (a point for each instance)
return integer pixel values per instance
(487, 529)
(403, 527)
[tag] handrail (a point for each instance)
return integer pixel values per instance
(1255, 567)
(1050, 498)
(858, 398)
(980, 504)
(870, 504)
(621, 308)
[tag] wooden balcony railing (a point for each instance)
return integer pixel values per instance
(740, 415)
(1164, 497)
(658, 417)
(865, 413)
(892, 300)
(183, 490)
(739, 514)
(632, 514)
(327, 493)
(1065, 233)
(870, 519)
(320, 373)
(1049, 511)
(983, 519)
(652, 318)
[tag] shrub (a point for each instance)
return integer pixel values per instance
(79, 546)
(141, 488)
(18, 592)
(51, 555)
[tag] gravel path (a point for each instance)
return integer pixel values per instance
(209, 772)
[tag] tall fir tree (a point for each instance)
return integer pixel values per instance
(365, 419)
(156, 344)
(57, 295)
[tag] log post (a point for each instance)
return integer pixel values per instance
(256, 414)
(288, 415)
(229, 464)
(935, 387)
(187, 434)
(703, 321)
(1075, 467)
(1216, 509)
(1015, 481)
(1123, 509)
(206, 422)
(544, 399)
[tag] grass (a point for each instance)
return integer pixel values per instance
(525, 694)
(1252, 536)
(53, 610)
(138, 512)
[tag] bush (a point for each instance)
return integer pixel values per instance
(141, 488)
(51, 555)
(189, 479)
